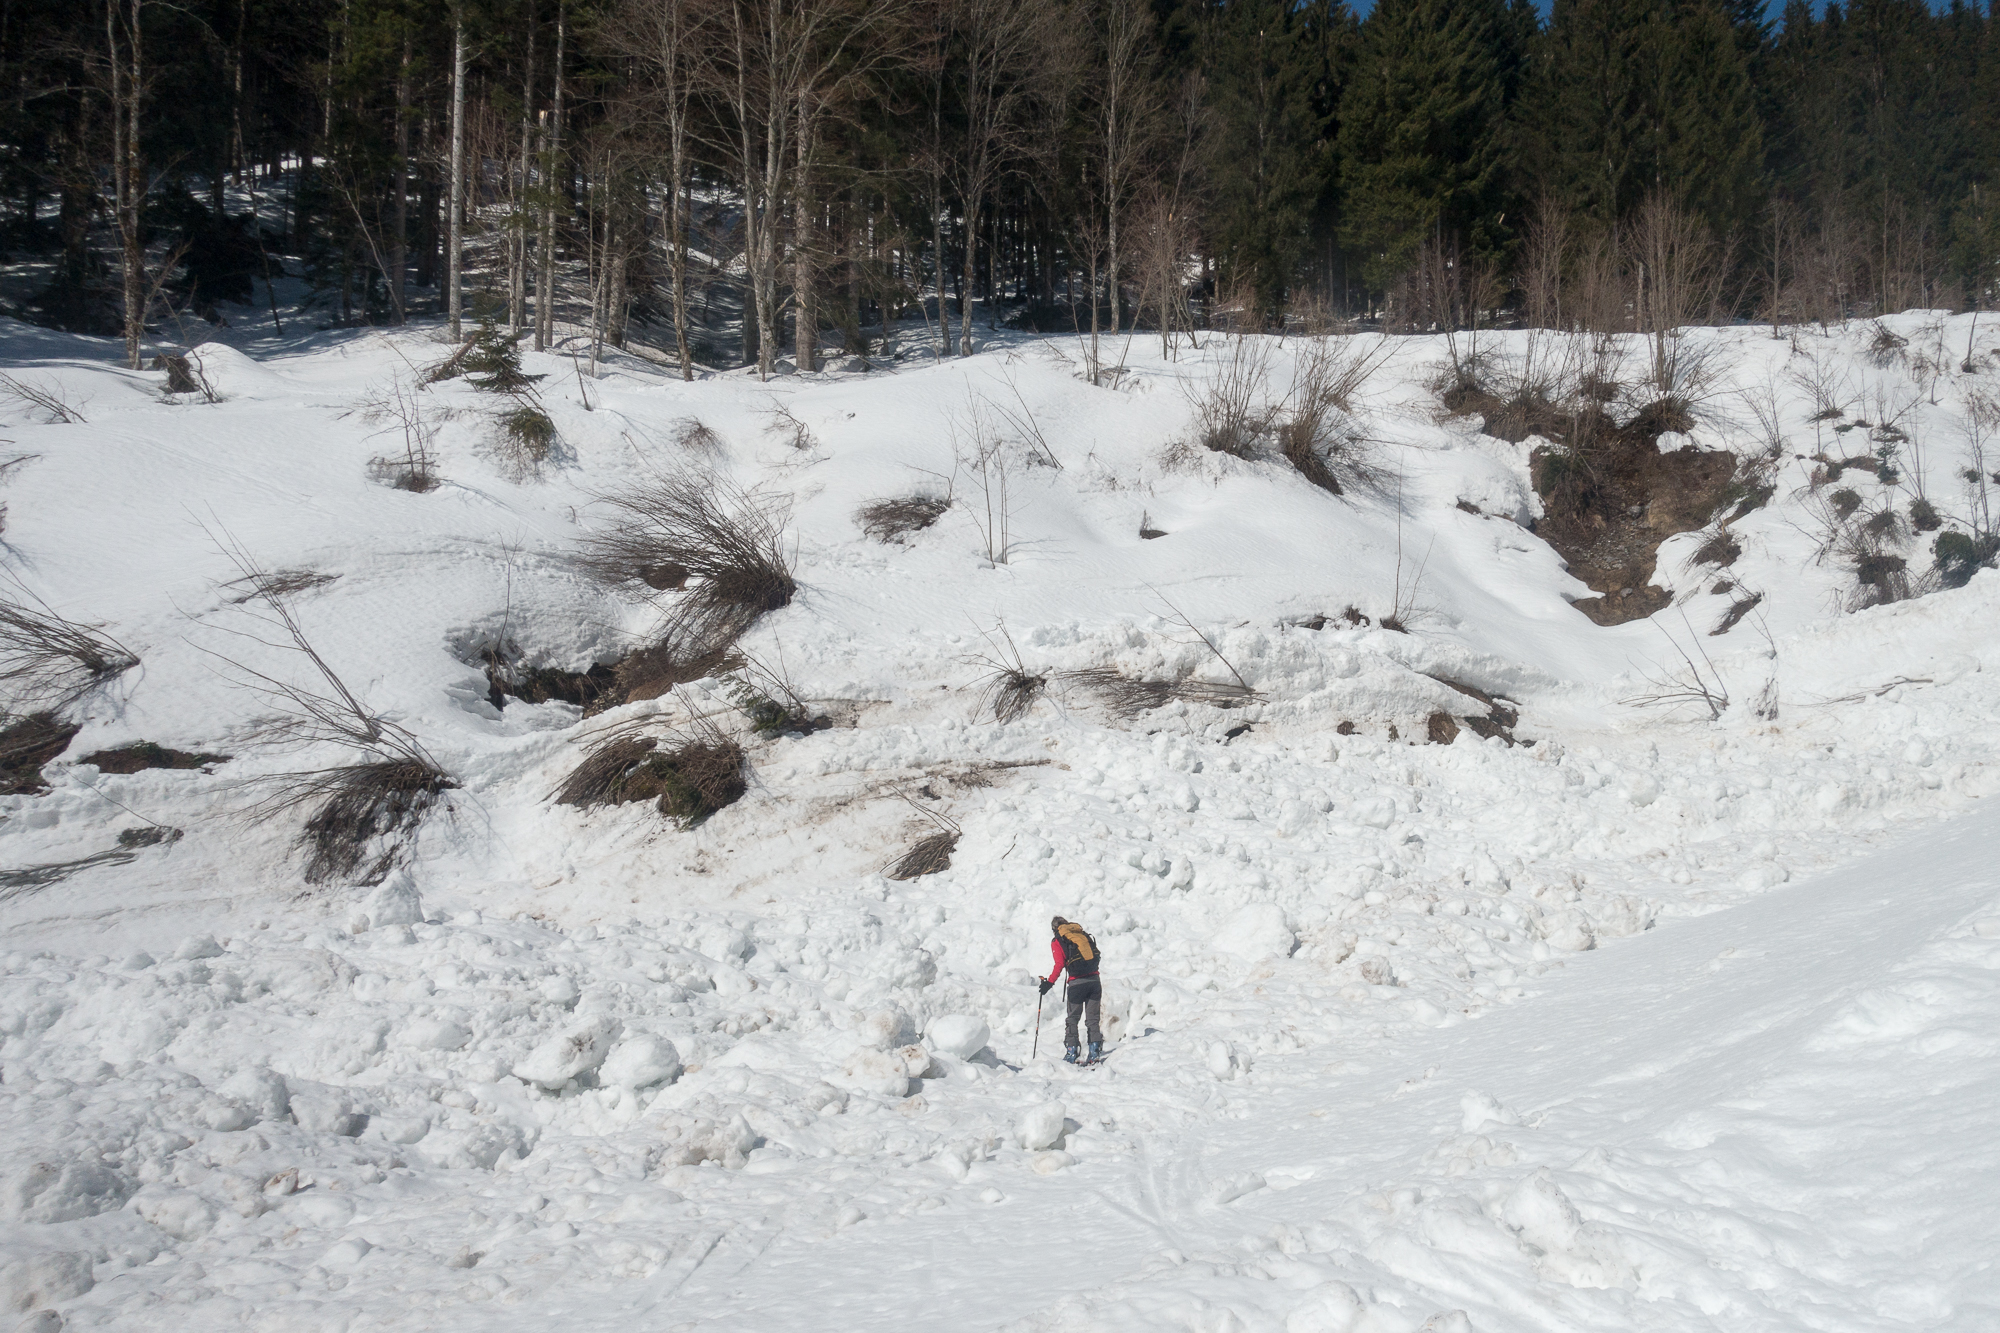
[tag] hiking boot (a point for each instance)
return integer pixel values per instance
(1069, 1054)
(1096, 1050)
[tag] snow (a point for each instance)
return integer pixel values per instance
(1657, 1022)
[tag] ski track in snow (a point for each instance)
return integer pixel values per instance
(1373, 1072)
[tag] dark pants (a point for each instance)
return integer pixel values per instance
(1084, 995)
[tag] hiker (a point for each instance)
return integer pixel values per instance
(1072, 948)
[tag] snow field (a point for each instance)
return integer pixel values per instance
(552, 1064)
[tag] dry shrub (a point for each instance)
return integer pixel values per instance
(25, 745)
(893, 520)
(415, 469)
(932, 852)
(693, 435)
(600, 779)
(1128, 696)
(48, 662)
(927, 856)
(781, 422)
(363, 814)
(723, 544)
(719, 533)
(1721, 550)
(278, 583)
(691, 647)
(1317, 436)
(1230, 412)
(43, 397)
(690, 779)
(1008, 688)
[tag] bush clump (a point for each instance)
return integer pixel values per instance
(1960, 555)
(690, 780)
(893, 520)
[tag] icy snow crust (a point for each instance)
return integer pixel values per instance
(569, 1065)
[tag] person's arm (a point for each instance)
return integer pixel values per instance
(1056, 952)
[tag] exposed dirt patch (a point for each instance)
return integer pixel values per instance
(1610, 502)
(540, 685)
(26, 746)
(1498, 719)
(145, 754)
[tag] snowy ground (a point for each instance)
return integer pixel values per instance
(1383, 1048)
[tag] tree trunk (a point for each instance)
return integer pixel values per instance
(399, 237)
(127, 169)
(545, 286)
(517, 257)
(937, 247)
(455, 222)
(805, 308)
(972, 221)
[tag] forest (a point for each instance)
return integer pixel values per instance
(735, 181)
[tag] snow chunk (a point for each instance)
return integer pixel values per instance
(395, 903)
(959, 1034)
(1041, 1126)
(434, 1034)
(1255, 932)
(639, 1061)
(882, 1029)
(47, 1192)
(1542, 1213)
(1334, 1308)
(261, 1090)
(198, 946)
(32, 1281)
(1478, 1109)
(578, 1050)
(884, 1073)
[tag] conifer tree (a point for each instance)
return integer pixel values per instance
(1265, 174)
(1420, 138)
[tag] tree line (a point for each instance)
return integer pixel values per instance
(748, 179)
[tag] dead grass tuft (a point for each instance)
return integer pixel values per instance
(690, 778)
(893, 520)
(1230, 414)
(278, 583)
(48, 662)
(1128, 696)
(364, 814)
(1008, 689)
(929, 855)
(1720, 550)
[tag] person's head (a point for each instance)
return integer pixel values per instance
(1056, 923)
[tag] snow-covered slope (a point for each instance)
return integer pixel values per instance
(454, 1099)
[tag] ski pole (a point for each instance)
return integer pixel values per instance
(1036, 1048)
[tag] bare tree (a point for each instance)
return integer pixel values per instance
(999, 46)
(784, 68)
(455, 257)
(123, 47)
(667, 38)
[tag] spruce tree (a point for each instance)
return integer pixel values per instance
(1421, 133)
(1265, 174)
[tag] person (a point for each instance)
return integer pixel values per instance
(1073, 949)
